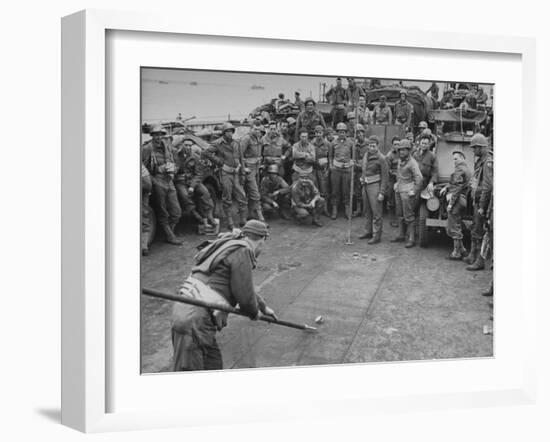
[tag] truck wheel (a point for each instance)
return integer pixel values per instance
(153, 227)
(215, 199)
(422, 227)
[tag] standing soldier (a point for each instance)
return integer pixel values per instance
(374, 178)
(361, 148)
(393, 161)
(482, 189)
(403, 110)
(146, 187)
(275, 192)
(330, 135)
(407, 189)
(382, 113)
(306, 200)
(340, 162)
(188, 182)
(298, 101)
(159, 161)
(337, 96)
(320, 167)
(456, 192)
(251, 151)
(353, 92)
(303, 155)
(309, 119)
(363, 113)
(274, 148)
(427, 162)
(225, 153)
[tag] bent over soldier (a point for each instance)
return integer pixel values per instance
(226, 153)
(159, 161)
(456, 192)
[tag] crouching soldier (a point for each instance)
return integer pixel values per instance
(374, 179)
(456, 191)
(158, 159)
(275, 192)
(188, 182)
(306, 200)
(222, 275)
(407, 190)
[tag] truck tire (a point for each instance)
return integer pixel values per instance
(422, 227)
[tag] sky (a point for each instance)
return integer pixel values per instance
(217, 95)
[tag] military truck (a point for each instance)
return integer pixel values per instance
(454, 130)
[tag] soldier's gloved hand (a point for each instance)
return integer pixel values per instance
(268, 311)
(221, 319)
(430, 187)
(380, 197)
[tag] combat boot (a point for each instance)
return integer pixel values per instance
(347, 210)
(242, 218)
(456, 254)
(170, 237)
(358, 210)
(479, 264)
(260, 215)
(402, 232)
(488, 291)
(325, 210)
(474, 251)
(410, 235)
(366, 235)
(316, 221)
(376, 238)
(334, 212)
(210, 217)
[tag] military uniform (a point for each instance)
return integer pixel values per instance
(403, 113)
(159, 161)
(251, 151)
(189, 176)
(375, 183)
(337, 96)
(146, 187)
(340, 156)
(358, 195)
(309, 120)
(382, 115)
(303, 192)
(427, 162)
(457, 191)
(320, 167)
(392, 158)
(228, 156)
(273, 148)
(364, 116)
(303, 156)
(274, 189)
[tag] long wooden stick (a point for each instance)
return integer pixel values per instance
(223, 308)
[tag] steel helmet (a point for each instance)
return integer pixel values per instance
(479, 140)
(291, 120)
(403, 91)
(341, 126)
(360, 128)
(423, 125)
(309, 100)
(404, 144)
(319, 128)
(351, 115)
(272, 168)
(158, 129)
(228, 126)
(374, 139)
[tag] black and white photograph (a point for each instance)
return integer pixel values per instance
(292, 220)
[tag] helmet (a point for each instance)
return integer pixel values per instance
(374, 139)
(272, 168)
(423, 125)
(479, 140)
(228, 126)
(309, 100)
(319, 128)
(256, 227)
(291, 120)
(404, 144)
(351, 115)
(360, 128)
(403, 91)
(158, 129)
(341, 126)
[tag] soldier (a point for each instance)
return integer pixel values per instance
(309, 119)
(274, 148)
(363, 113)
(298, 101)
(403, 110)
(275, 192)
(447, 100)
(291, 131)
(482, 189)
(337, 97)
(251, 151)
(320, 167)
(303, 156)
(392, 159)
(433, 91)
(361, 148)
(382, 112)
(188, 182)
(146, 186)
(340, 162)
(374, 178)
(222, 275)
(456, 192)
(330, 135)
(407, 189)
(226, 153)
(427, 162)
(159, 161)
(306, 200)
(353, 92)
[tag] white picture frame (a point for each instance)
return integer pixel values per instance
(86, 352)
